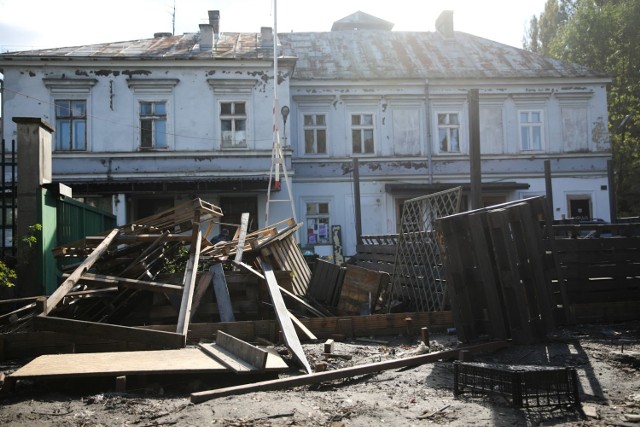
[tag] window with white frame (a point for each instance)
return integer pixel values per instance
(530, 130)
(233, 122)
(362, 131)
(153, 125)
(318, 223)
(71, 124)
(315, 134)
(449, 132)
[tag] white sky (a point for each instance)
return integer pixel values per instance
(36, 24)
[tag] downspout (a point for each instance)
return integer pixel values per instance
(428, 132)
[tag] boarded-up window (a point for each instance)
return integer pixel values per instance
(406, 132)
(574, 129)
(491, 130)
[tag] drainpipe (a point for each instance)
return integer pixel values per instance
(428, 132)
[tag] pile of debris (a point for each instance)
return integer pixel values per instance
(133, 298)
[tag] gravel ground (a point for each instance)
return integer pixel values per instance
(607, 359)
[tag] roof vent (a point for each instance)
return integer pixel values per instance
(159, 35)
(444, 24)
(266, 37)
(214, 21)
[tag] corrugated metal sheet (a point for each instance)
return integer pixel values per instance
(346, 55)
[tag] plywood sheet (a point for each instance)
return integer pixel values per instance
(186, 360)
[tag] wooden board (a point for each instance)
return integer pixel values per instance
(290, 337)
(359, 287)
(186, 360)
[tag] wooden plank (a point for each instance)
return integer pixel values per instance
(71, 281)
(107, 331)
(251, 354)
(189, 281)
(223, 300)
(318, 377)
(125, 282)
(290, 337)
(186, 360)
(302, 327)
(227, 358)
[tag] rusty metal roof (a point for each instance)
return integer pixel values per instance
(365, 54)
(345, 55)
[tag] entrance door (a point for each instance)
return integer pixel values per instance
(234, 207)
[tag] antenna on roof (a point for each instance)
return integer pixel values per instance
(173, 19)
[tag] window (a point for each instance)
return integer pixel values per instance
(153, 125)
(318, 226)
(531, 130)
(71, 125)
(362, 133)
(233, 122)
(315, 134)
(449, 132)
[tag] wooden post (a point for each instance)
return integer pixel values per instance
(473, 99)
(548, 186)
(613, 209)
(424, 333)
(356, 199)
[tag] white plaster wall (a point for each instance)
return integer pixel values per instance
(564, 187)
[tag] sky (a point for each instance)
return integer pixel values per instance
(38, 24)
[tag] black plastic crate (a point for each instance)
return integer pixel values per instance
(523, 386)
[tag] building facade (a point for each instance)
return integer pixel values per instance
(141, 125)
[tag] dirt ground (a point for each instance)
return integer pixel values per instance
(607, 359)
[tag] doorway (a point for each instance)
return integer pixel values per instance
(234, 207)
(580, 207)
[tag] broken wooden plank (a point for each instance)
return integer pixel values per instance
(315, 378)
(360, 290)
(223, 300)
(291, 338)
(156, 338)
(189, 281)
(71, 281)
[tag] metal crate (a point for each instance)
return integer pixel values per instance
(523, 386)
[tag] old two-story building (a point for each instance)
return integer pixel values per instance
(142, 125)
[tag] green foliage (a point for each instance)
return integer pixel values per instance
(32, 237)
(176, 260)
(603, 35)
(7, 275)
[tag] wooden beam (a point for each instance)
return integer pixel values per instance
(203, 284)
(71, 281)
(290, 337)
(158, 339)
(315, 378)
(302, 327)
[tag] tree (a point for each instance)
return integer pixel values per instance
(603, 35)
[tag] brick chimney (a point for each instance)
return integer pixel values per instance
(214, 21)
(210, 33)
(444, 24)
